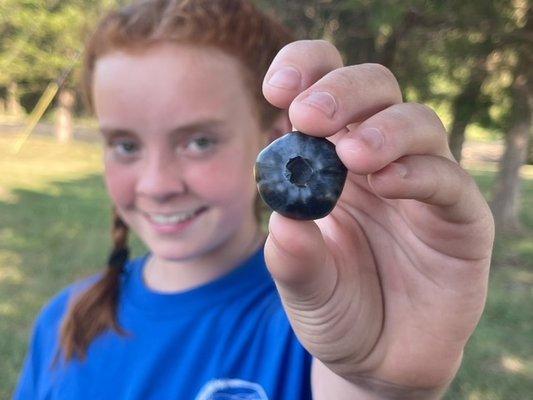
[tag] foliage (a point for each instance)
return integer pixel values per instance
(41, 39)
(433, 47)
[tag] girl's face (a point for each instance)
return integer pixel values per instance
(181, 140)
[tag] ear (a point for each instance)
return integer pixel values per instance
(280, 127)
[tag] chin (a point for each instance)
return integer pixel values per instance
(182, 251)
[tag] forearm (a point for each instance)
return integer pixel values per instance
(327, 385)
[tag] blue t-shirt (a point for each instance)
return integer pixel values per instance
(228, 339)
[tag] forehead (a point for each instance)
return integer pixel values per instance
(167, 83)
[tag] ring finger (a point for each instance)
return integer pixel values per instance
(399, 130)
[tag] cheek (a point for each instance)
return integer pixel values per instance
(120, 185)
(225, 180)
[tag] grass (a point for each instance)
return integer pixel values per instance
(498, 361)
(54, 228)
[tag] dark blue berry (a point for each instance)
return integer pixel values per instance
(300, 176)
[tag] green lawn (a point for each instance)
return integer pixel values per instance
(54, 228)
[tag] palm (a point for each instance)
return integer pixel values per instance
(400, 275)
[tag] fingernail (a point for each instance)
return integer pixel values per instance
(286, 78)
(323, 101)
(371, 137)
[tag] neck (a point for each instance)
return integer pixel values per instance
(169, 276)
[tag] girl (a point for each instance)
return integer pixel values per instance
(176, 88)
(366, 300)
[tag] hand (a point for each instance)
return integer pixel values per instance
(388, 287)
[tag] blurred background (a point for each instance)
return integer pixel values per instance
(472, 61)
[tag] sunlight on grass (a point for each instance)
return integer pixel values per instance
(10, 264)
(8, 236)
(478, 395)
(6, 196)
(7, 309)
(525, 277)
(512, 364)
(524, 246)
(526, 172)
(518, 365)
(482, 134)
(43, 161)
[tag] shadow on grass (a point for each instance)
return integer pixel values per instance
(46, 242)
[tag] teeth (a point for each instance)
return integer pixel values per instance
(171, 219)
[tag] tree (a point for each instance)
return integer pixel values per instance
(506, 192)
(41, 38)
(466, 103)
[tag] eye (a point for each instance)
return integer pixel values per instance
(200, 144)
(124, 148)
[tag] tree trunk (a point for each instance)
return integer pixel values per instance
(13, 107)
(64, 126)
(388, 52)
(529, 157)
(506, 194)
(466, 104)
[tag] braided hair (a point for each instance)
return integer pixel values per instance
(94, 311)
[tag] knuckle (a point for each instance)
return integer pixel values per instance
(428, 114)
(347, 77)
(464, 179)
(395, 122)
(329, 50)
(381, 70)
(450, 178)
(355, 77)
(383, 73)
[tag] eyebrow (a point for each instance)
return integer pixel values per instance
(110, 132)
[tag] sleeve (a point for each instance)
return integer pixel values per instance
(41, 349)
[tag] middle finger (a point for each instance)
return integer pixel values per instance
(344, 96)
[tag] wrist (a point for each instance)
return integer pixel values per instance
(327, 385)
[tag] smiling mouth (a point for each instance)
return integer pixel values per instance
(174, 218)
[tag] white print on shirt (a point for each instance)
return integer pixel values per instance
(231, 389)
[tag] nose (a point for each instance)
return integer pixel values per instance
(160, 179)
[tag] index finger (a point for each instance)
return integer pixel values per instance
(296, 67)
(322, 96)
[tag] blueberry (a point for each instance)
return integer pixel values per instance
(300, 176)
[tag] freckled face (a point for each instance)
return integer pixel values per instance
(181, 141)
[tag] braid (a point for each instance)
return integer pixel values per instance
(95, 310)
(120, 253)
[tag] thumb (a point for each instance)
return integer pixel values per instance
(299, 261)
